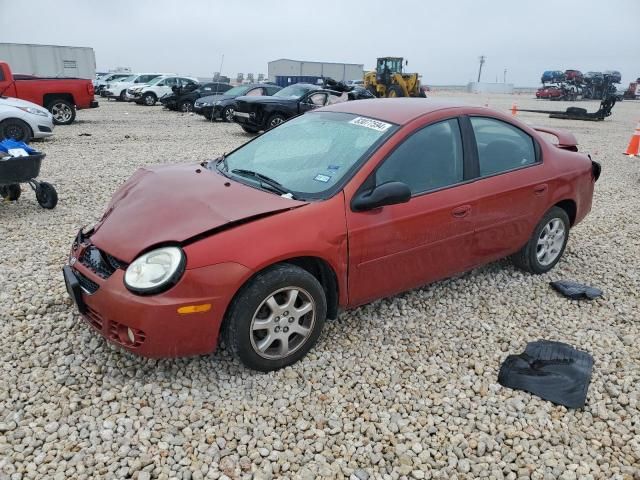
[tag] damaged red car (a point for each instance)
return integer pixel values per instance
(330, 210)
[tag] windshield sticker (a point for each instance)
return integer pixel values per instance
(333, 167)
(322, 178)
(371, 123)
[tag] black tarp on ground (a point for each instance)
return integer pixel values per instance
(553, 371)
(575, 290)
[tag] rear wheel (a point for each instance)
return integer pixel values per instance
(249, 129)
(276, 318)
(63, 111)
(546, 245)
(16, 129)
(395, 91)
(46, 195)
(11, 192)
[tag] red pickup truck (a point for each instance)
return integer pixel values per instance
(61, 96)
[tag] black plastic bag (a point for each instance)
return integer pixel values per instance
(575, 290)
(553, 371)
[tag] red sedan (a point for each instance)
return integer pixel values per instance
(335, 208)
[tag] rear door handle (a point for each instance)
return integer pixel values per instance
(540, 189)
(461, 211)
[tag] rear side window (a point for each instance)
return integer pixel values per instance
(429, 159)
(501, 147)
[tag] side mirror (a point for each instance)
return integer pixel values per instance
(389, 193)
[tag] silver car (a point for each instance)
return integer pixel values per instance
(22, 120)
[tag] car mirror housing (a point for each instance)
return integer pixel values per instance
(389, 193)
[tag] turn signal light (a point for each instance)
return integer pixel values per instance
(205, 307)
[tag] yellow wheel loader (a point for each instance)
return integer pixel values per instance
(389, 81)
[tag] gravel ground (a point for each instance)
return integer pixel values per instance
(405, 387)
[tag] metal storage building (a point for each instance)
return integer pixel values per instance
(49, 60)
(285, 71)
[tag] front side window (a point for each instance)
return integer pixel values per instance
(294, 91)
(501, 146)
(317, 99)
(429, 159)
(256, 92)
(310, 154)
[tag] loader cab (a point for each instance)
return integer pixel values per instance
(386, 67)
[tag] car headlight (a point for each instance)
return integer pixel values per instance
(34, 111)
(155, 271)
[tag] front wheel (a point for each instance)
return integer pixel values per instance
(227, 114)
(149, 99)
(276, 318)
(395, 91)
(46, 195)
(186, 106)
(16, 129)
(546, 245)
(275, 120)
(63, 112)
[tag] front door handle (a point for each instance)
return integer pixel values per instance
(540, 189)
(461, 211)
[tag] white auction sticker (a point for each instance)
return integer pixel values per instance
(371, 123)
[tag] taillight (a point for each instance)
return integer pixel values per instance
(90, 89)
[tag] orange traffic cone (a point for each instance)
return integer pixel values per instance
(514, 110)
(633, 150)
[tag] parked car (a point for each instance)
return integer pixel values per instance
(550, 92)
(223, 107)
(262, 113)
(183, 99)
(100, 83)
(349, 203)
(148, 94)
(61, 96)
(22, 120)
(118, 89)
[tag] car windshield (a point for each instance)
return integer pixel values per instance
(239, 90)
(293, 91)
(310, 154)
(155, 81)
(130, 78)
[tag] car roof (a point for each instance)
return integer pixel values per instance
(395, 110)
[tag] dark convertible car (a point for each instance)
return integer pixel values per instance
(183, 100)
(262, 113)
(222, 106)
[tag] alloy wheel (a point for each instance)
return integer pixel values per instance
(550, 241)
(282, 323)
(229, 114)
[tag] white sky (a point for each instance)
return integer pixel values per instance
(442, 40)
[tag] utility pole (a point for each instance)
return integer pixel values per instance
(505, 76)
(482, 58)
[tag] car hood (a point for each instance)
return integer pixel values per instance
(16, 102)
(174, 203)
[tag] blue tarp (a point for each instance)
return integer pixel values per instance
(8, 143)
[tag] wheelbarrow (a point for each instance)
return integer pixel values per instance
(17, 170)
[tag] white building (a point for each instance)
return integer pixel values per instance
(285, 71)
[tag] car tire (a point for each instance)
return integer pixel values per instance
(63, 111)
(16, 129)
(11, 192)
(227, 114)
(249, 130)
(275, 120)
(395, 91)
(185, 106)
(123, 96)
(372, 90)
(149, 99)
(275, 298)
(547, 244)
(46, 195)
